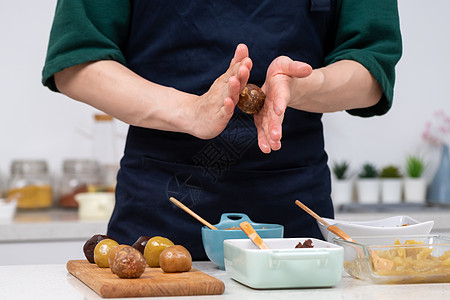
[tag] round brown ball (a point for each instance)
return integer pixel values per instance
(129, 263)
(112, 255)
(175, 259)
(140, 243)
(89, 246)
(101, 252)
(251, 100)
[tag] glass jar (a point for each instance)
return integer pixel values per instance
(32, 181)
(79, 176)
(104, 150)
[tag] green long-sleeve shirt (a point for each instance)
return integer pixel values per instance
(366, 31)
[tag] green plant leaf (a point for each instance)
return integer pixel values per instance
(390, 171)
(415, 166)
(340, 169)
(368, 171)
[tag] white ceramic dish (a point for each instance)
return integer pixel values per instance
(398, 225)
(283, 265)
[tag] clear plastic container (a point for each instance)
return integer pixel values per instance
(32, 181)
(79, 176)
(414, 259)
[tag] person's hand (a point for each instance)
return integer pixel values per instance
(212, 111)
(279, 88)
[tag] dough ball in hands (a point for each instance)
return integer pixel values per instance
(175, 259)
(251, 100)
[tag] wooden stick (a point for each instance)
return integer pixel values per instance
(313, 214)
(253, 235)
(189, 211)
(379, 263)
(337, 231)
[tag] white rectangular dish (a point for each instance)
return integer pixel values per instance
(283, 265)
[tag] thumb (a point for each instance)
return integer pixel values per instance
(286, 66)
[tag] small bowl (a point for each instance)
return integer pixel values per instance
(95, 206)
(413, 263)
(398, 225)
(228, 228)
(7, 210)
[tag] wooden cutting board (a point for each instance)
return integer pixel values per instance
(153, 283)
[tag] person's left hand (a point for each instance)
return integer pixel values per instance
(280, 86)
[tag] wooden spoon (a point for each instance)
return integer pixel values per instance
(189, 211)
(382, 264)
(253, 235)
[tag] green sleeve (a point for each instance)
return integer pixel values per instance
(85, 30)
(368, 32)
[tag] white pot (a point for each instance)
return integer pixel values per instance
(391, 190)
(415, 190)
(341, 192)
(368, 190)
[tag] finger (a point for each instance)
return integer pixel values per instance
(286, 66)
(234, 89)
(241, 70)
(240, 53)
(244, 74)
(275, 145)
(275, 129)
(279, 101)
(263, 141)
(228, 107)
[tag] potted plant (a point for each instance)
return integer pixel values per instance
(391, 184)
(415, 185)
(368, 184)
(342, 184)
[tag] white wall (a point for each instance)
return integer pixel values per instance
(34, 122)
(37, 123)
(421, 89)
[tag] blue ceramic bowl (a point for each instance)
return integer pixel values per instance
(228, 228)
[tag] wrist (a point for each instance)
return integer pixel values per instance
(164, 108)
(304, 90)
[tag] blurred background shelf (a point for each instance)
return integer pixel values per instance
(57, 235)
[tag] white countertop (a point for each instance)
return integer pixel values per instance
(50, 282)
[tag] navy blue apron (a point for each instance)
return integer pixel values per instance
(187, 45)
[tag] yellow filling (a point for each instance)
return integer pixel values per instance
(415, 260)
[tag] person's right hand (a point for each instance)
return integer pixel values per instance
(211, 112)
(280, 86)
